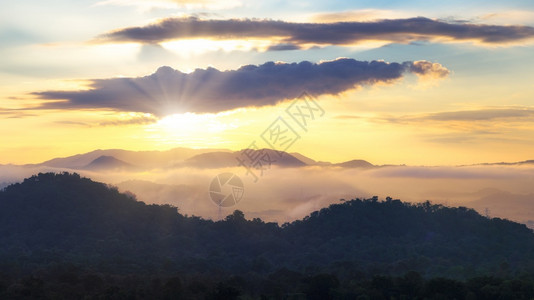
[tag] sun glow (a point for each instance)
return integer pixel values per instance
(193, 130)
(188, 121)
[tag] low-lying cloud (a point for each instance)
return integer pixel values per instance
(169, 91)
(286, 194)
(338, 33)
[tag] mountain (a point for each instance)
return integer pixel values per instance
(108, 163)
(303, 158)
(178, 157)
(50, 219)
(211, 160)
(356, 163)
(195, 158)
(269, 156)
(208, 158)
(246, 156)
(517, 163)
(144, 159)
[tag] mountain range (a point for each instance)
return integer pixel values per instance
(140, 159)
(507, 193)
(125, 160)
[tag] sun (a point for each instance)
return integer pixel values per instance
(190, 129)
(191, 121)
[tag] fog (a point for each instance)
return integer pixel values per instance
(285, 194)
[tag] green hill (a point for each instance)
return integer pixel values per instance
(62, 219)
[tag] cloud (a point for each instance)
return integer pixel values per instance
(286, 194)
(517, 114)
(135, 120)
(508, 17)
(131, 119)
(509, 124)
(470, 172)
(426, 69)
(169, 91)
(155, 52)
(464, 136)
(283, 47)
(513, 114)
(361, 15)
(73, 123)
(338, 33)
(349, 117)
(14, 113)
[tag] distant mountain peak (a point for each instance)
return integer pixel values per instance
(106, 162)
(356, 163)
(143, 159)
(231, 159)
(274, 157)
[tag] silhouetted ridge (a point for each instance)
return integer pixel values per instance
(266, 157)
(57, 218)
(356, 163)
(144, 159)
(62, 218)
(211, 160)
(105, 162)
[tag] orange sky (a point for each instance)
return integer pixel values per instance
(482, 110)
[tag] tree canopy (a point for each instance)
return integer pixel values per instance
(63, 219)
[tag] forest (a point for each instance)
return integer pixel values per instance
(63, 236)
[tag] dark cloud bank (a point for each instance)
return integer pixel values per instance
(340, 33)
(209, 90)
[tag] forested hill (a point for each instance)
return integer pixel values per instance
(62, 218)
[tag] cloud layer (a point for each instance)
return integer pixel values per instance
(286, 194)
(339, 33)
(510, 114)
(169, 91)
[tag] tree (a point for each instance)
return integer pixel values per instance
(237, 217)
(321, 286)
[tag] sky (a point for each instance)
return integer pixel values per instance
(391, 82)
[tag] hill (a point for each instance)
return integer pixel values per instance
(109, 163)
(227, 159)
(178, 157)
(303, 158)
(355, 163)
(66, 218)
(211, 160)
(277, 158)
(145, 159)
(201, 158)
(67, 237)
